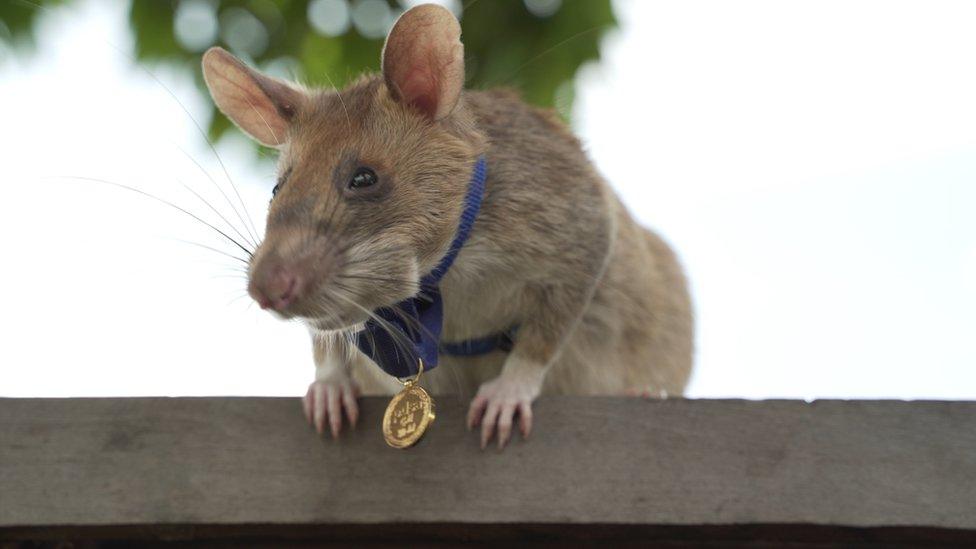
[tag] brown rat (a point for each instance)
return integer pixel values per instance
(371, 187)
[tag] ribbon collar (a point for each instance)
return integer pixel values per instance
(411, 329)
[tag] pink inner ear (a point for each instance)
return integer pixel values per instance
(423, 60)
(261, 106)
(250, 108)
(420, 89)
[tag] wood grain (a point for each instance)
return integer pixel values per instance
(176, 468)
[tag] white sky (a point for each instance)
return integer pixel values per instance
(813, 163)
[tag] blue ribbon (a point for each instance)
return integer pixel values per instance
(483, 345)
(412, 328)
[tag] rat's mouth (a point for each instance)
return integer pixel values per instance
(335, 297)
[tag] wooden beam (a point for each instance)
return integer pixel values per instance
(678, 471)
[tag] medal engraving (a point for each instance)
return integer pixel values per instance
(407, 417)
(409, 414)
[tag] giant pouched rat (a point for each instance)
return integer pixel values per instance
(373, 179)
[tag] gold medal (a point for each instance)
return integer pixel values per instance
(409, 414)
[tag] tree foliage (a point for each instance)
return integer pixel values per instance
(535, 46)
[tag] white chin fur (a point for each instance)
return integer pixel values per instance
(330, 326)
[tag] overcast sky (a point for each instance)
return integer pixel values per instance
(813, 163)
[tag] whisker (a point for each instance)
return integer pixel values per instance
(213, 149)
(341, 102)
(234, 276)
(222, 193)
(236, 299)
(134, 61)
(377, 279)
(546, 52)
(415, 324)
(212, 249)
(261, 116)
(158, 199)
(399, 338)
(199, 128)
(202, 199)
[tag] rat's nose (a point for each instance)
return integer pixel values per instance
(277, 291)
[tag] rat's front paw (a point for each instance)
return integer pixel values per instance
(496, 405)
(326, 399)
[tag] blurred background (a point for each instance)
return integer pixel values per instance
(814, 164)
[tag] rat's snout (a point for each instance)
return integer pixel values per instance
(286, 270)
(278, 288)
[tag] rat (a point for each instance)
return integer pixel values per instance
(373, 181)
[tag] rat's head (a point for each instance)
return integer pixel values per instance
(371, 179)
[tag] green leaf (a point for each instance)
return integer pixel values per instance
(505, 44)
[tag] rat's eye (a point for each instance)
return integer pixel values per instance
(364, 177)
(280, 183)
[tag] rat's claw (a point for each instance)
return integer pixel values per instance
(488, 424)
(497, 405)
(350, 406)
(525, 419)
(335, 410)
(477, 410)
(318, 407)
(326, 400)
(505, 424)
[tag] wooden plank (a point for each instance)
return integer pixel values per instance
(185, 468)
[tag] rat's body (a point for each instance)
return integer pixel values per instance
(373, 182)
(566, 228)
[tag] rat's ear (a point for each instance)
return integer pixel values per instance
(260, 105)
(423, 60)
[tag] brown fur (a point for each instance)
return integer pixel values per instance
(551, 233)
(601, 302)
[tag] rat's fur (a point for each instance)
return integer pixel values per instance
(550, 235)
(601, 303)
